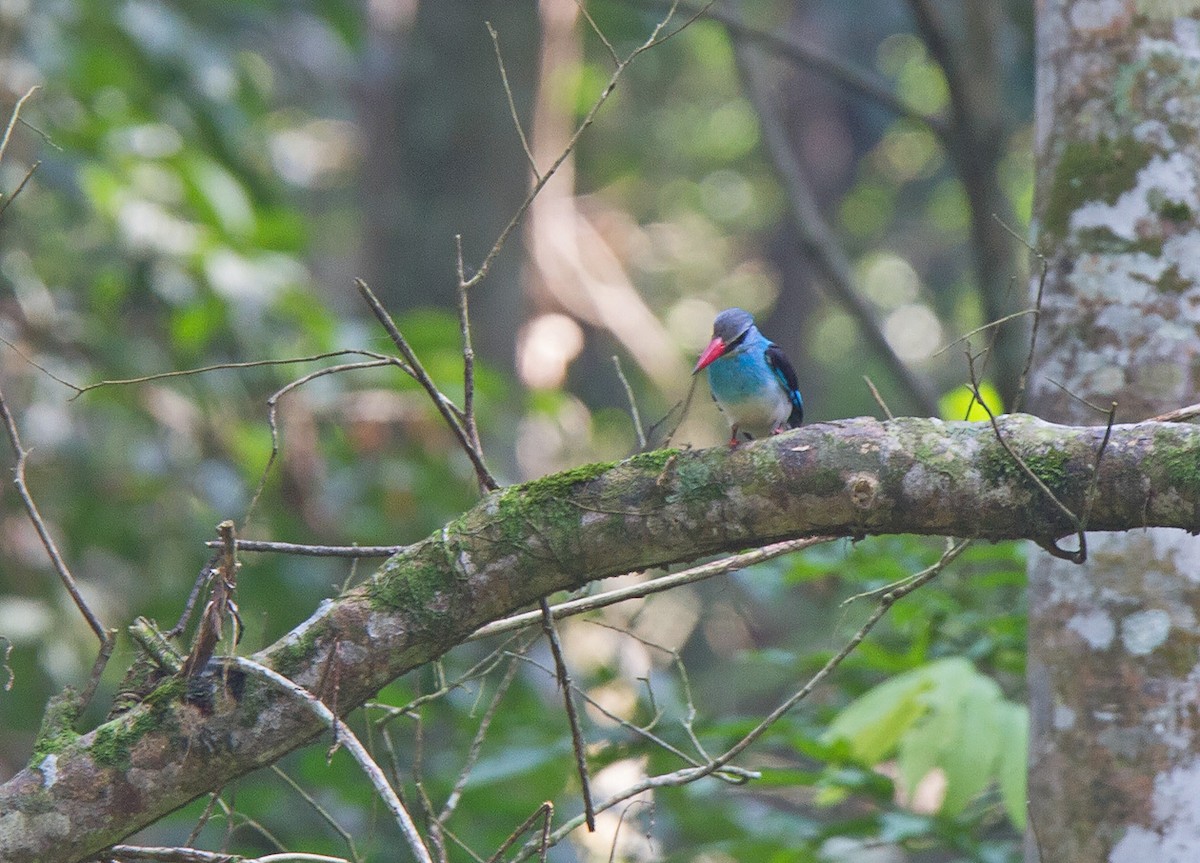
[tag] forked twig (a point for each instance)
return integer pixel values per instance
(688, 775)
(273, 411)
(485, 266)
(482, 668)
(612, 52)
(546, 813)
(983, 328)
(13, 118)
(733, 775)
(445, 407)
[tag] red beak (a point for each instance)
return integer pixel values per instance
(714, 350)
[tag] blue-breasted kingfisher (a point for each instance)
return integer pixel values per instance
(752, 381)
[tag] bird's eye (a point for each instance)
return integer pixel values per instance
(741, 338)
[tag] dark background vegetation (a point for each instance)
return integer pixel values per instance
(214, 175)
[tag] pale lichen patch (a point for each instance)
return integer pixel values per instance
(1095, 627)
(1168, 178)
(49, 770)
(1174, 835)
(1144, 631)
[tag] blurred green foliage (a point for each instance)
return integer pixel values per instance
(196, 204)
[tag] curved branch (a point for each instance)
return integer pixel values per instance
(854, 477)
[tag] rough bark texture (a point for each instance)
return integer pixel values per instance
(850, 478)
(1114, 645)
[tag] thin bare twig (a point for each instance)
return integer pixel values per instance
(30, 361)
(612, 52)
(895, 585)
(346, 737)
(512, 105)
(887, 412)
(1044, 269)
(20, 187)
(612, 851)
(565, 687)
(480, 669)
(648, 588)
(195, 855)
(1089, 498)
(325, 815)
(1077, 397)
(468, 350)
(633, 408)
(983, 328)
(101, 662)
(60, 565)
(213, 799)
(1080, 554)
(455, 795)
(435, 830)
(202, 578)
(734, 775)
(251, 364)
(300, 549)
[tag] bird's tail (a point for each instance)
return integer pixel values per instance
(796, 419)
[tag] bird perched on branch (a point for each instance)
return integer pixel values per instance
(752, 382)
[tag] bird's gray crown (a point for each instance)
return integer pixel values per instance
(731, 323)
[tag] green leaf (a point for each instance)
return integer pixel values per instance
(1012, 761)
(874, 723)
(970, 754)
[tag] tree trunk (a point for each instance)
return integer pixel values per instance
(1114, 644)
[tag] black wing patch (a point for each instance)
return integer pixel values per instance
(782, 367)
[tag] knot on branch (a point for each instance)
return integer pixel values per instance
(863, 488)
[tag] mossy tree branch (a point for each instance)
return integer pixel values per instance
(850, 478)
